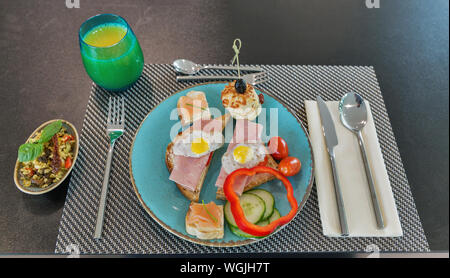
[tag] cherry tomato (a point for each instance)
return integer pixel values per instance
(261, 98)
(278, 148)
(68, 163)
(289, 166)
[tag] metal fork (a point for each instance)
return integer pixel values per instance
(253, 78)
(115, 128)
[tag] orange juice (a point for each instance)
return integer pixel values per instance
(105, 35)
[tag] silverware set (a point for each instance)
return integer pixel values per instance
(188, 67)
(353, 115)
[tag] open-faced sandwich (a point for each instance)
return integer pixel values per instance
(205, 221)
(189, 154)
(193, 106)
(246, 150)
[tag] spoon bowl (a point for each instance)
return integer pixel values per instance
(186, 66)
(353, 112)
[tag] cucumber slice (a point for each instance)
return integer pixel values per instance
(229, 215)
(238, 232)
(263, 222)
(275, 215)
(253, 207)
(268, 200)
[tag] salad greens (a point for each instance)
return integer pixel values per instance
(30, 151)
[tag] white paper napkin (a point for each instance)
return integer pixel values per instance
(352, 178)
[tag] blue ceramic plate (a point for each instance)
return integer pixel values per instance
(162, 199)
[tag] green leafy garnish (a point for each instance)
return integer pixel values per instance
(207, 211)
(30, 151)
(50, 130)
(203, 108)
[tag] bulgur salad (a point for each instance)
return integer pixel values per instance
(46, 157)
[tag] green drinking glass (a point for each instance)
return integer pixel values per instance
(110, 52)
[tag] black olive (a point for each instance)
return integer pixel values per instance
(240, 86)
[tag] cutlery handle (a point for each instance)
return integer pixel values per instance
(373, 193)
(234, 68)
(339, 199)
(101, 207)
(206, 77)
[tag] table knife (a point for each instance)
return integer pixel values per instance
(329, 132)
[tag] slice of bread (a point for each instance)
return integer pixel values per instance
(256, 180)
(191, 195)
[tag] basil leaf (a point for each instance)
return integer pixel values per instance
(50, 130)
(30, 151)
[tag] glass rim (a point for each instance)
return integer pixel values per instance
(98, 15)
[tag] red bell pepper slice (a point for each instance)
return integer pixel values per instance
(264, 162)
(238, 212)
(67, 137)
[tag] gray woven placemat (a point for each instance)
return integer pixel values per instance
(128, 229)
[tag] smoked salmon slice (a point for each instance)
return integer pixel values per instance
(193, 106)
(205, 220)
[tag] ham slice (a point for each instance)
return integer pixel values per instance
(187, 171)
(245, 132)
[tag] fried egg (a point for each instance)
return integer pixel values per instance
(243, 156)
(241, 106)
(198, 143)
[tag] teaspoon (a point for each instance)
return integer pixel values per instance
(189, 67)
(353, 114)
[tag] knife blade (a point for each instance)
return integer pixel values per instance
(331, 141)
(328, 128)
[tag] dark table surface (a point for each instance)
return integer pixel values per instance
(42, 77)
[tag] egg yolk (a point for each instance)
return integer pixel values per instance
(199, 145)
(242, 154)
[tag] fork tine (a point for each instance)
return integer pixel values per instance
(118, 107)
(261, 75)
(122, 120)
(261, 80)
(115, 111)
(109, 111)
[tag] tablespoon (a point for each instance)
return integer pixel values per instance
(189, 67)
(353, 114)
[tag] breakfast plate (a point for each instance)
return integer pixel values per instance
(166, 204)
